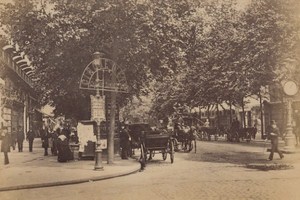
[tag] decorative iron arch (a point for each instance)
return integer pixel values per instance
(101, 77)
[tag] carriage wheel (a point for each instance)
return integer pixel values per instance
(171, 146)
(164, 154)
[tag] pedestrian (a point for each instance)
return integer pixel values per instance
(30, 137)
(20, 139)
(297, 127)
(13, 138)
(5, 144)
(234, 132)
(273, 134)
(64, 152)
(54, 141)
(45, 140)
(125, 139)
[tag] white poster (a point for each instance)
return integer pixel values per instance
(85, 133)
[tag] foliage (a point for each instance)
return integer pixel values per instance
(60, 43)
(198, 53)
(231, 53)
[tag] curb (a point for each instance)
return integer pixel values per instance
(70, 182)
(270, 166)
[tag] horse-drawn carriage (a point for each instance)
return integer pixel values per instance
(184, 138)
(157, 143)
(185, 133)
(235, 135)
(151, 142)
(206, 133)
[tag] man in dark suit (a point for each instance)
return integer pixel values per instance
(30, 137)
(45, 140)
(125, 139)
(273, 134)
(20, 138)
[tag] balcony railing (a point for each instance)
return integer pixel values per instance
(17, 63)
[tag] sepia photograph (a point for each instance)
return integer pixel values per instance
(150, 99)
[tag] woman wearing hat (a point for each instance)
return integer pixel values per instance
(273, 134)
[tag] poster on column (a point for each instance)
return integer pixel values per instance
(97, 108)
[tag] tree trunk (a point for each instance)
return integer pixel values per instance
(230, 115)
(218, 116)
(243, 113)
(208, 114)
(261, 115)
(111, 135)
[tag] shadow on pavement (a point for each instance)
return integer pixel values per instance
(252, 155)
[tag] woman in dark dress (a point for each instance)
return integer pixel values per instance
(64, 152)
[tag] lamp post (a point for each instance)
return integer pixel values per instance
(290, 89)
(97, 105)
(103, 74)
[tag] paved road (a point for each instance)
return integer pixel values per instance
(217, 171)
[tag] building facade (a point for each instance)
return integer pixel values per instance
(19, 104)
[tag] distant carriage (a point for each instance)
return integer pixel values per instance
(206, 133)
(185, 139)
(241, 134)
(185, 133)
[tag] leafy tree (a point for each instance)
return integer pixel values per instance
(60, 44)
(231, 53)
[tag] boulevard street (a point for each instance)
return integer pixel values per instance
(219, 170)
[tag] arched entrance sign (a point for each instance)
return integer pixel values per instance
(104, 75)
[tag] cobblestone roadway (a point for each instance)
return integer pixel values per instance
(217, 171)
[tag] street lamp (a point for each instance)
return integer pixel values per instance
(290, 89)
(97, 106)
(103, 74)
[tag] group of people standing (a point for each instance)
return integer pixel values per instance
(57, 141)
(10, 139)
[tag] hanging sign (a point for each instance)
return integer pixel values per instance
(97, 108)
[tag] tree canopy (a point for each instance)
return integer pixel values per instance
(198, 52)
(231, 53)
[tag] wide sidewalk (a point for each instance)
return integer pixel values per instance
(33, 169)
